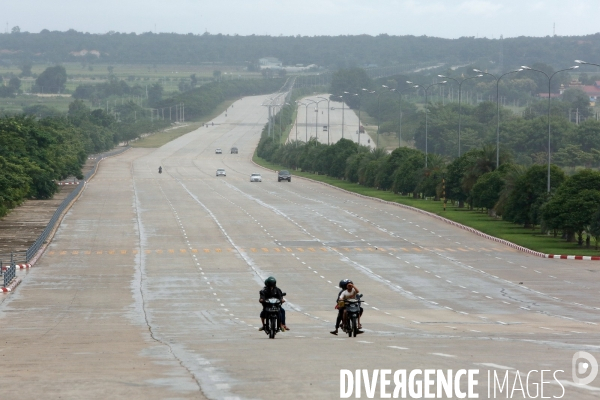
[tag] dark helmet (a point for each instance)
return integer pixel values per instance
(344, 283)
(270, 282)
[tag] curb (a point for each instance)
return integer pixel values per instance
(456, 224)
(18, 266)
(567, 257)
(12, 285)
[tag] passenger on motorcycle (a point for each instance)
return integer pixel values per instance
(350, 293)
(343, 285)
(268, 292)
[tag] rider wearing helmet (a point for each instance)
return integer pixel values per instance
(343, 285)
(271, 291)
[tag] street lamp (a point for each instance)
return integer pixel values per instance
(586, 63)
(459, 101)
(400, 110)
(497, 110)
(426, 88)
(328, 126)
(306, 115)
(549, 92)
(317, 119)
(373, 92)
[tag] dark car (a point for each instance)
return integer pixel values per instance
(234, 150)
(284, 175)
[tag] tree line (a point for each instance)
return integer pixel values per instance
(36, 152)
(330, 51)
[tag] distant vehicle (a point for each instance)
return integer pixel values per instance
(284, 175)
(361, 129)
(221, 172)
(218, 151)
(234, 150)
(255, 178)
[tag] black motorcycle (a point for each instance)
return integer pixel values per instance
(352, 311)
(272, 317)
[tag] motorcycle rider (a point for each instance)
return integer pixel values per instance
(271, 291)
(343, 285)
(350, 293)
(160, 170)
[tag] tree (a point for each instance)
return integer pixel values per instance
(573, 205)
(155, 94)
(15, 29)
(52, 80)
(15, 84)
(25, 68)
(194, 81)
(486, 192)
(529, 193)
(594, 228)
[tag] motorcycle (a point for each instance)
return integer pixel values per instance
(160, 170)
(352, 311)
(272, 317)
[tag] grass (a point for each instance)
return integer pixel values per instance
(160, 138)
(531, 239)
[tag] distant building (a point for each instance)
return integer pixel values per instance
(274, 63)
(593, 91)
(270, 62)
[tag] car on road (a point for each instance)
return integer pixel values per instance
(234, 150)
(221, 172)
(284, 175)
(255, 178)
(218, 151)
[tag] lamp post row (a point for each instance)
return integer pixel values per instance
(426, 89)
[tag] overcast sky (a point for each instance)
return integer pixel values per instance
(441, 18)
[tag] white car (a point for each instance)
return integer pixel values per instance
(221, 172)
(218, 151)
(255, 178)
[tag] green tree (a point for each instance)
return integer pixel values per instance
(487, 189)
(530, 193)
(155, 94)
(573, 205)
(52, 80)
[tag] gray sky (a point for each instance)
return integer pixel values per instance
(441, 18)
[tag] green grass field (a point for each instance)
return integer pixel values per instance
(531, 239)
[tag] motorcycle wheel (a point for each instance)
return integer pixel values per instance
(354, 326)
(349, 327)
(273, 328)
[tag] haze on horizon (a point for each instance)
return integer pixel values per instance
(439, 18)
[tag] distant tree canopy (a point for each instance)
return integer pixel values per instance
(330, 51)
(52, 80)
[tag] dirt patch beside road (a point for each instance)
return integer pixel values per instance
(22, 226)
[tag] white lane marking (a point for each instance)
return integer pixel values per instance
(364, 341)
(496, 366)
(398, 347)
(443, 355)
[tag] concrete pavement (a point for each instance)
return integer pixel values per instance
(150, 287)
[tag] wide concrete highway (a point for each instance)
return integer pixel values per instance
(149, 290)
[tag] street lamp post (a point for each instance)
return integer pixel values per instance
(400, 111)
(328, 126)
(497, 110)
(549, 93)
(309, 102)
(317, 119)
(426, 88)
(459, 101)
